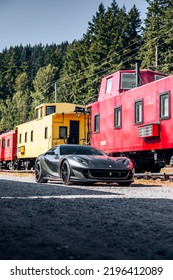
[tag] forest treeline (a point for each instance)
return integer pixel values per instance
(114, 39)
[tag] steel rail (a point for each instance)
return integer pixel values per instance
(148, 175)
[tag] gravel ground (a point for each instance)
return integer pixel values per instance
(52, 221)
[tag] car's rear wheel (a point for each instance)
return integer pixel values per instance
(38, 173)
(65, 172)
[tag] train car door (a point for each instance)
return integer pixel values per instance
(2, 149)
(74, 133)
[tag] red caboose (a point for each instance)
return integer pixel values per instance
(8, 149)
(134, 117)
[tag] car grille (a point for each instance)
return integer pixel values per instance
(117, 174)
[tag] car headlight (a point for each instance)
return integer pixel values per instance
(127, 162)
(83, 161)
(130, 164)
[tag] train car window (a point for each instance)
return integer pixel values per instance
(41, 112)
(25, 137)
(3, 143)
(32, 134)
(20, 138)
(62, 132)
(50, 110)
(138, 112)
(128, 80)
(158, 77)
(46, 133)
(117, 117)
(96, 123)
(164, 105)
(109, 85)
(36, 113)
(8, 142)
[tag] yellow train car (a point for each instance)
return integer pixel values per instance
(55, 123)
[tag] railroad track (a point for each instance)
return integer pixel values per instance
(164, 176)
(17, 171)
(155, 176)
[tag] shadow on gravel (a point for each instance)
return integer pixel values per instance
(24, 189)
(48, 222)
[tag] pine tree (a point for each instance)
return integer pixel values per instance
(133, 38)
(21, 99)
(70, 84)
(43, 86)
(111, 42)
(166, 53)
(156, 50)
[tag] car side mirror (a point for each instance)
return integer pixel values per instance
(50, 153)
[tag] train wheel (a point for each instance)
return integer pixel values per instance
(65, 173)
(38, 173)
(27, 165)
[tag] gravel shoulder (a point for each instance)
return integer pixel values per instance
(52, 221)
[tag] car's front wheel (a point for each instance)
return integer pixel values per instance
(38, 173)
(65, 172)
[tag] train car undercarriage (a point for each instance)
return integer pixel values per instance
(149, 161)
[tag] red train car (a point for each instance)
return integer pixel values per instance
(134, 117)
(8, 149)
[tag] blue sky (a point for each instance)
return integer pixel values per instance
(50, 21)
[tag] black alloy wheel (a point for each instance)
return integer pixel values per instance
(65, 172)
(38, 173)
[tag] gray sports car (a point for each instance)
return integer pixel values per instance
(82, 164)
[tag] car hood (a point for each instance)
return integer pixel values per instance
(106, 161)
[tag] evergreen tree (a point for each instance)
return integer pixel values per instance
(111, 43)
(21, 99)
(133, 38)
(26, 63)
(3, 71)
(7, 112)
(36, 60)
(119, 34)
(43, 84)
(12, 69)
(156, 50)
(54, 55)
(165, 52)
(71, 79)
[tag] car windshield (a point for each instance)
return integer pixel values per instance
(80, 150)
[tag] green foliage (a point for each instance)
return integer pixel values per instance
(21, 99)
(7, 112)
(113, 40)
(25, 74)
(43, 85)
(156, 51)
